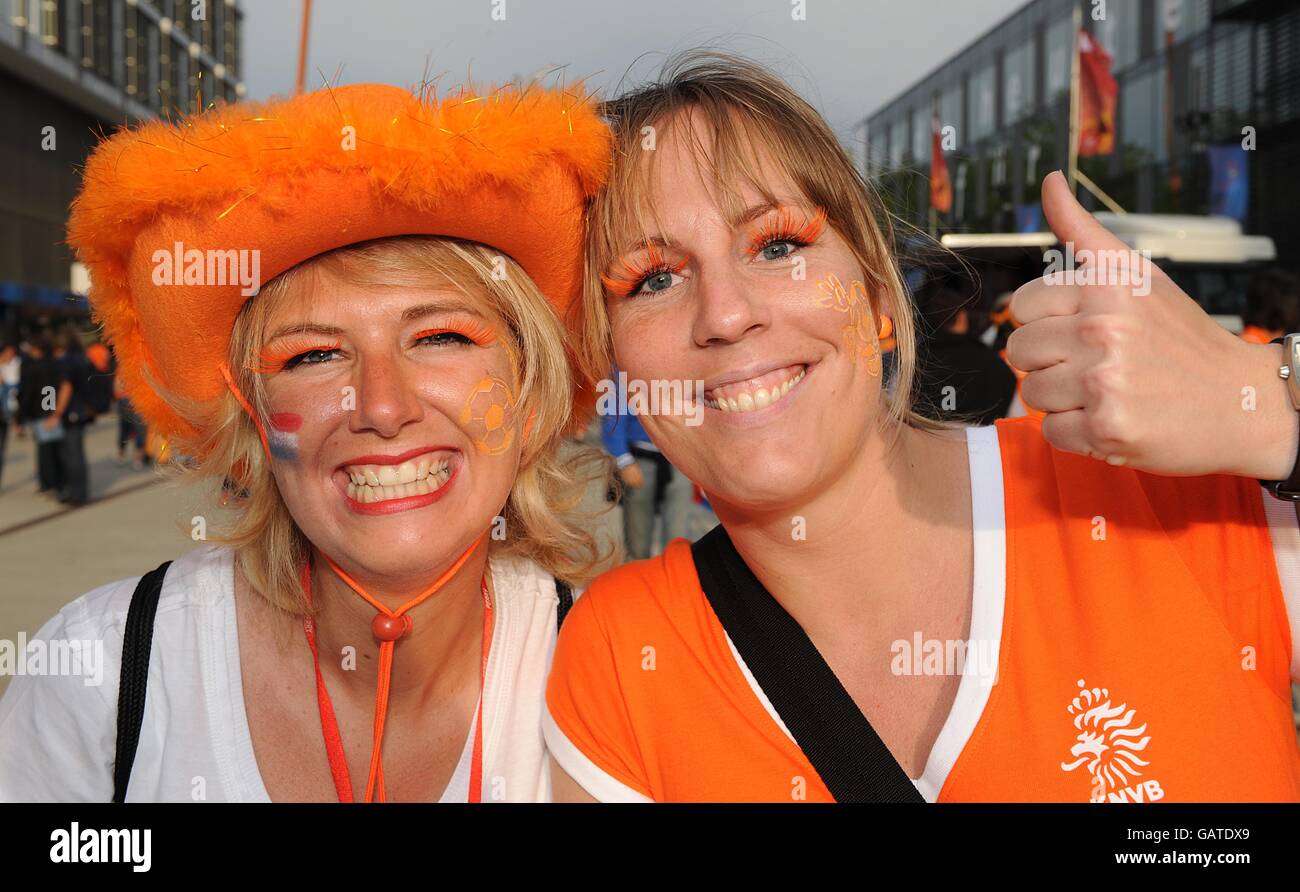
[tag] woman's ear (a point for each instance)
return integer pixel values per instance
(528, 425)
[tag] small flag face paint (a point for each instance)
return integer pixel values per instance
(860, 335)
(283, 439)
(488, 416)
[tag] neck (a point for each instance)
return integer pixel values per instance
(439, 656)
(863, 533)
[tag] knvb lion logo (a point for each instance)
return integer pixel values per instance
(1108, 744)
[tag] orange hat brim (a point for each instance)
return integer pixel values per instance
(512, 169)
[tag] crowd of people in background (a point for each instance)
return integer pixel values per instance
(53, 386)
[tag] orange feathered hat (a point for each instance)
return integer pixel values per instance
(511, 168)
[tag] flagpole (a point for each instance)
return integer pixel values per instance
(1074, 101)
(1077, 176)
(934, 213)
(302, 46)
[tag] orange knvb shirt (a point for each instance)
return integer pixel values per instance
(1140, 636)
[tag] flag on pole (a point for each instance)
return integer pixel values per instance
(940, 184)
(1097, 95)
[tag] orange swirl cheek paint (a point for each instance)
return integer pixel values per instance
(860, 337)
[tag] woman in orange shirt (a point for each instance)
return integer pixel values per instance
(1013, 617)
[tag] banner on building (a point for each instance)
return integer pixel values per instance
(1229, 181)
(940, 184)
(1098, 93)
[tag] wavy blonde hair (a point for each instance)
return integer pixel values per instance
(744, 105)
(541, 517)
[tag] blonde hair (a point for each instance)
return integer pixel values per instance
(742, 102)
(540, 516)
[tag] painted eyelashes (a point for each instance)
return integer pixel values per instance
(281, 356)
(787, 225)
(860, 335)
(628, 280)
(784, 225)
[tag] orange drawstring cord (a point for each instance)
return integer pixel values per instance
(261, 432)
(388, 634)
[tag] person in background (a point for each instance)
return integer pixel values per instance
(10, 365)
(1272, 306)
(38, 386)
(74, 411)
(962, 379)
(651, 486)
(130, 428)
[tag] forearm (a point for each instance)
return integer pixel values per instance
(1263, 442)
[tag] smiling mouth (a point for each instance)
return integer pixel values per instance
(420, 476)
(753, 394)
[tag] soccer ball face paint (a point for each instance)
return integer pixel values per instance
(489, 416)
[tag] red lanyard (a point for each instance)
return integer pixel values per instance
(384, 624)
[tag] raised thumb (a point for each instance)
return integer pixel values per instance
(1071, 221)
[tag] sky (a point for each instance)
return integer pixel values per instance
(847, 57)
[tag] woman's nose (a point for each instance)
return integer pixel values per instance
(386, 398)
(727, 309)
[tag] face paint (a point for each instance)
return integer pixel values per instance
(283, 440)
(488, 416)
(860, 332)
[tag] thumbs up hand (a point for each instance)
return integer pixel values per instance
(1130, 369)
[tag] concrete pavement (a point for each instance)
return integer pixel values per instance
(51, 554)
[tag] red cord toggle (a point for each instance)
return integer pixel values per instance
(390, 628)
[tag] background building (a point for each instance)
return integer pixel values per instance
(1191, 73)
(69, 70)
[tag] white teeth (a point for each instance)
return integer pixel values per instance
(377, 483)
(760, 398)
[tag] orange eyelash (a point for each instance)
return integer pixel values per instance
(785, 225)
(623, 283)
(471, 327)
(273, 359)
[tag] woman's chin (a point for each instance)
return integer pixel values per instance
(760, 488)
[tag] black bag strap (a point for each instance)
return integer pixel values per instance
(565, 591)
(137, 645)
(849, 756)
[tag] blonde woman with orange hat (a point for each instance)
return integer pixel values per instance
(382, 417)
(891, 609)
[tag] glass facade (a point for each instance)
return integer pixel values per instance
(156, 52)
(1192, 75)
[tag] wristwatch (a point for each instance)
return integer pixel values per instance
(1289, 489)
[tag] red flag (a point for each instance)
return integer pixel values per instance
(940, 185)
(1097, 94)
